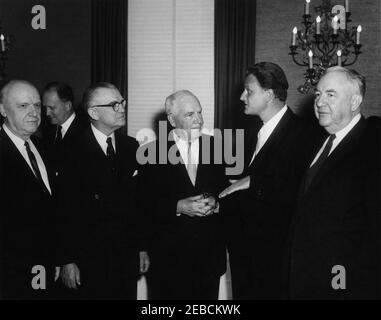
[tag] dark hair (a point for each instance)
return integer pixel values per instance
(88, 94)
(270, 76)
(64, 91)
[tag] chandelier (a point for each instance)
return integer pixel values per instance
(4, 47)
(325, 41)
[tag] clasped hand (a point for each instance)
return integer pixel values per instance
(197, 206)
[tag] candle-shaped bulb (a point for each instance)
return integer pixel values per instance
(294, 33)
(359, 29)
(339, 57)
(334, 24)
(346, 5)
(307, 8)
(310, 61)
(318, 21)
(2, 43)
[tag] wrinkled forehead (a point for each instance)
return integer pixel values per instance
(21, 92)
(337, 81)
(105, 96)
(187, 103)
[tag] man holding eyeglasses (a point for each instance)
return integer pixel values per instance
(99, 245)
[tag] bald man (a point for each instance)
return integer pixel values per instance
(25, 189)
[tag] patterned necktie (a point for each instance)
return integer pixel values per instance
(191, 167)
(313, 170)
(34, 164)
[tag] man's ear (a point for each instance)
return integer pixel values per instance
(356, 101)
(93, 113)
(270, 94)
(2, 110)
(171, 120)
(68, 106)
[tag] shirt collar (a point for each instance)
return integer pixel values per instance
(273, 122)
(343, 132)
(18, 142)
(65, 126)
(102, 138)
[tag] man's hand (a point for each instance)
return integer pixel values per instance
(196, 206)
(236, 185)
(212, 203)
(144, 262)
(71, 276)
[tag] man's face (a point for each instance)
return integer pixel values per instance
(334, 101)
(254, 97)
(106, 117)
(57, 110)
(187, 115)
(22, 109)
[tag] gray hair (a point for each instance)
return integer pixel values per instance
(353, 76)
(171, 99)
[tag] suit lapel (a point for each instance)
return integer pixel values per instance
(273, 141)
(15, 157)
(343, 150)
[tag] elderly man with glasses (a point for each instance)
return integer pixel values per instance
(99, 248)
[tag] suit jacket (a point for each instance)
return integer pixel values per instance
(258, 218)
(75, 130)
(337, 223)
(27, 221)
(99, 228)
(181, 244)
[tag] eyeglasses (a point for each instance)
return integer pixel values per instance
(116, 106)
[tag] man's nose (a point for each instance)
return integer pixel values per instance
(34, 111)
(319, 101)
(243, 96)
(198, 119)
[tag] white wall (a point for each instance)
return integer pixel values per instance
(170, 47)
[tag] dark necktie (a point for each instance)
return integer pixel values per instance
(110, 153)
(311, 173)
(34, 164)
(58, 138)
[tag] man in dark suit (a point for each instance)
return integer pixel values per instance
(178, 193)
(66, 125)
(259, 205)
(99, 226)
(335, 244)
(27, 213)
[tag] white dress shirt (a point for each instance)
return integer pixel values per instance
(102, 139)
(66, 125)
(340, 135)
(267, 129)
(20, 145)
(183, 145)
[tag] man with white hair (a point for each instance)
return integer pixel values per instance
(334, 249)
(179, 201)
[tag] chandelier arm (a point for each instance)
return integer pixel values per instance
(345, 64)
(301, 64)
